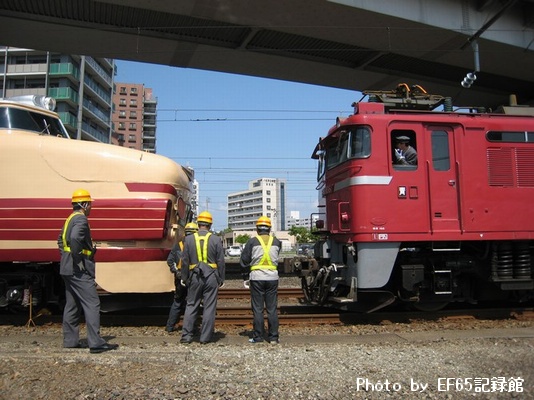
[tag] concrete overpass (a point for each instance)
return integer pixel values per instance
(351, 44)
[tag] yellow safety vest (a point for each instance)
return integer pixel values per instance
(202, 253)
(265, 262)
(181, 245)
(64, 236)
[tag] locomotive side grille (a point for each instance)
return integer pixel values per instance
(525, 167)
(500, 167)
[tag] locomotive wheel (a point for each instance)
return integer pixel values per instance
(324, 287)
(306, 288)
(430, 306)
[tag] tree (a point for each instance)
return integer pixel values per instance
(302, 235)
(242, 239)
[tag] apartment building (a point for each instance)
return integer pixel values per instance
(294, 219)
(82, 87)
(134, 117)
(265, 196)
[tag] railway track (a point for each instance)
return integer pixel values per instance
(242, 294)
(293, 314)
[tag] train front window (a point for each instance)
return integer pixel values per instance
(16, 118)
(354, 143)
(360, 142)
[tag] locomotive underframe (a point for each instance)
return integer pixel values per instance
(425, 275)
(22, 283)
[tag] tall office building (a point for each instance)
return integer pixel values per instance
(134, 117)
(81, 85)
(265, 196)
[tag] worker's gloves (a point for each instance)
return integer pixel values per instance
(398, 154)
(246, 284)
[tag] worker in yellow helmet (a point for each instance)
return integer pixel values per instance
(77, 268)
(203, 271)
(259, 262)
(174, 261)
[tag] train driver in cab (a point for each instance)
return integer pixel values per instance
(404, 153)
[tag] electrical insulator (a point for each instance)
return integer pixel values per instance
(468, 80)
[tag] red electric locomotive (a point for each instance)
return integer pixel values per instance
(422, 206)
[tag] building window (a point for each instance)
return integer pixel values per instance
(122, 102)
(122, 125)
(268, 199)
(268, 192)
(122, 90)
(133, 91)
(133, 126)
(133, 103)
(133, 114)
(131, 138)
(122, 114)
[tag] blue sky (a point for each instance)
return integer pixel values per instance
(233, 129)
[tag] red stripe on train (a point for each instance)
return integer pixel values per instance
(110, 219)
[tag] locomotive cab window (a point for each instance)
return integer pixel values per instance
(354, 143)
(15, 118)
(403, 149)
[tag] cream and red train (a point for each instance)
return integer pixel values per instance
(458, 226)
(141, 203)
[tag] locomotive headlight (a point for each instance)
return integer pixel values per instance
(49, 103)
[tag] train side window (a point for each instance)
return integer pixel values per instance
(441, 159)
(510, 137)
(404, 149)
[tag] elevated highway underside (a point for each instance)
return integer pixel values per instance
(350, 44)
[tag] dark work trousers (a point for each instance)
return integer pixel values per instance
(81, 294)
(177, 306)
(264, 293)
(203, 289)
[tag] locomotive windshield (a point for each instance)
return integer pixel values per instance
(350, 144)
(43, 124)
(347, 143)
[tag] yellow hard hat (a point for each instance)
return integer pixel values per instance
(80, 196)
(191, 227)
(263, 221)
(205, 217)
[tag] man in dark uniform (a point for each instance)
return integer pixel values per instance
(174, 261)
(259, 261)
(404, 153)
(77, 268)
(203, 271)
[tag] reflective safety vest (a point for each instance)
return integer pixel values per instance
(179, 265)
(202, 252)
(265, 262)
(86, 252)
